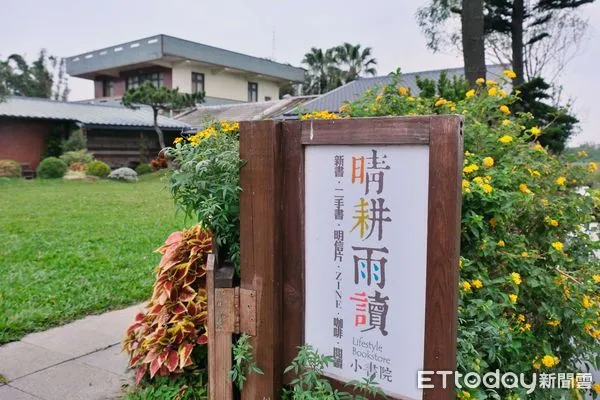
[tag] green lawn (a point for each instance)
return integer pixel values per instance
(69, 249)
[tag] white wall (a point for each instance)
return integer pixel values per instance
(223, 84)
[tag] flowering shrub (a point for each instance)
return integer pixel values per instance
(78, 156)
(530, 283)
(161, 340)
(78, 167)
(159, 162)
(206, 183)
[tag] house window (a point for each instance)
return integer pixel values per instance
(252, 91)
(156, 78)
(197, 82)
(267, 98)
(107, 87)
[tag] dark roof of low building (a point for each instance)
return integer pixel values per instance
(87, 114)
(272, 109)
(163, 46)
(333, 100)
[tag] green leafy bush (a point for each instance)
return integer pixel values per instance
(75, 142)
(309, 384)
(207, 183)
(243, 362)
(143, 169)
(51, 168)
(98, 168)
(191, 386)
(10, 169)
(530, 281)
(77, 156)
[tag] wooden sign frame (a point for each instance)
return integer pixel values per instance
(272, 233)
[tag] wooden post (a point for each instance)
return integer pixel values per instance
(221, 324)
(261, 253)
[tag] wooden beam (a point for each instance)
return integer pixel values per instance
(261, 251)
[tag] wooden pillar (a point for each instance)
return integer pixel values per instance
(261, 251)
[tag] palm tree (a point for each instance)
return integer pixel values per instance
(355, 61)
(323, 73)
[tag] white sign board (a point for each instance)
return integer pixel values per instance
(366, 253)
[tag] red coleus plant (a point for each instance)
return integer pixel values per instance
(160, 341)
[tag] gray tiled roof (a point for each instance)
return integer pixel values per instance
(87, 114)
(272, 109)
(333, 100)
(161, 46)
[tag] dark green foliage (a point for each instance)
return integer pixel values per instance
(98, 168)
(51, 168)
(143, 169)
(557, 123)
(10, 169)
(54, 143)
(160, 99)
(336, 66)
(76, 141)
(45, 77)
(451, 89)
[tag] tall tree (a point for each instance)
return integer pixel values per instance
(45, 77)
(473, 41)
(355, 61)
(323, 73)
(159, 99)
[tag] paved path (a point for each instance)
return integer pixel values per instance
(81, 360)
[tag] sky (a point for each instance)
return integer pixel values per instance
(283, 30)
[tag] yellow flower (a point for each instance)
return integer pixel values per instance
(553, 322)
(477, 284)
(493, 91)
(410, 99)
(523, 188)
(561, 180)
(537, 365)
(493, 222)
(470, 93)
(538, 147)
(344, 108)
(587, 303)
(596, 388)
(440, 102)
(464, 395)
(501, 243)
(506, 122)
(480, 81)
(544, 202)
(515, 277)
(596, 278)
(504, 109)
(502, 93)
(505, 139)
(582, 154)
(178, 140)
(491, 82)
(402, 91)
(592, 166)
(535, 131)
(525, 328)
(553, 222)
(460, 264)
(488, 162)
(558, 246)
(379, 97)
(465, 184)
(524, 254)
(534, 173)
(487, 188)
(513, 298)
(510, 74)
(521, 318)
(549, 361)
(470, 168)
(466, 286)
